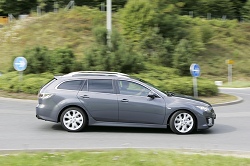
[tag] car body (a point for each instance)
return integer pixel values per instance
(80, 99)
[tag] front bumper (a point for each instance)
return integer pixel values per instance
(206, 120)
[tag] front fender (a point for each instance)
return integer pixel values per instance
(174, 107)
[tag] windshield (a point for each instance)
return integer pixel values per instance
(139, 79)
(145, 82)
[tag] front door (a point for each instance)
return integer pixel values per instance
(136, 107)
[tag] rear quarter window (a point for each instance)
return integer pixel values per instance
(71, 85)
(48, 83)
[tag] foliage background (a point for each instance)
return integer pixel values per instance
(147, 40)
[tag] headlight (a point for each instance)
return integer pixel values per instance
(203, 108)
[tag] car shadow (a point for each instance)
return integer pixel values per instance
(106, 129)
(57, 127)
(217, 129)
(127, 130)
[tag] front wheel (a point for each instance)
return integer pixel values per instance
(73, 119)
(182, 122)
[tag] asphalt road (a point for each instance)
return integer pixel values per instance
(21, 130)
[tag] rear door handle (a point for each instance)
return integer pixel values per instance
(85, 96)
(124, 100)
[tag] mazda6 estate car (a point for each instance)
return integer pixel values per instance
(82, 99)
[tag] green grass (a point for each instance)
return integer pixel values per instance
(71, 29)
(121, 158)
(221, 98)
(237, 84)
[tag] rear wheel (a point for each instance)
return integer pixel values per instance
(73, 119)
(182, 122)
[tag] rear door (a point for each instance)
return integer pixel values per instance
(99, 98)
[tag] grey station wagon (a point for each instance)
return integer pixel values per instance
(79, 99)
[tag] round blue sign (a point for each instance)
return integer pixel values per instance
(195, 70)
(20, 63)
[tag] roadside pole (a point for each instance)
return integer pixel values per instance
(195, 72)
(20, 64)
(109, 21)
(230, 63)
(195, 87)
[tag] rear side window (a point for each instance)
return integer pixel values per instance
(70, 85)
(101, 85)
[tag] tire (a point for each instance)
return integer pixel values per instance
(73, 119)
(182, 122)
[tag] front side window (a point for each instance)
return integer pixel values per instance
(101, 85)
(70, 85)
(131, 88)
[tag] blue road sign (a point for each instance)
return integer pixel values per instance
(195, 70)
(20, 63)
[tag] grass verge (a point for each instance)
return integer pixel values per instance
(221, 98)
(237, 84)
(18, 95)
(126, 157)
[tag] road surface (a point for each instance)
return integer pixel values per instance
(21, 130)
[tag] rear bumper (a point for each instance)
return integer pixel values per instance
(44, 114)
(39, 117)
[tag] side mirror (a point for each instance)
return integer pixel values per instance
(152, 95)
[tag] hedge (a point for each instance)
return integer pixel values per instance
(165, 81)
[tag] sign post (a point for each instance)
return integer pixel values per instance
(195, 72)
(20, 64)
(109, 21)
(230, 63)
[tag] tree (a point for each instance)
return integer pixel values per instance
(38, 60)
(119, 57)
(137, 18)
(183, 57)
(157, 49)
(62, 60)
(116, 4)
(17, 7)
(245, 12)
(216, 8)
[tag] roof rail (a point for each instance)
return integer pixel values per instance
(95, 73)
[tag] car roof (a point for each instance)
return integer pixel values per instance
(91, 74)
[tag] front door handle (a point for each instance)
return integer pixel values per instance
(124, 100)
(85, 96)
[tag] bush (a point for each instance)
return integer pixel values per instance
(33, 85)
(30, 83)
(166, 79)
(10, 82)
(183, 57)
(62, 60)
(41, 60)
(116, 57)
(38, 60)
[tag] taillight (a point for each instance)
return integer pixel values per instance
(44, 95)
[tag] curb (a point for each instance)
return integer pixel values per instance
(20, 100)
(238, 100)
